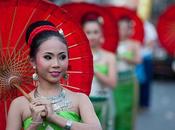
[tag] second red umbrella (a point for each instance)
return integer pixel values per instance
(78, 10)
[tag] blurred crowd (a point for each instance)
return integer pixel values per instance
(123, 70)
(124, 43)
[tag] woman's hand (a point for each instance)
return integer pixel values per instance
(36, 110)
(46, 107)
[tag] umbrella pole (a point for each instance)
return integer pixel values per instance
(5, 107)
(43, 113)
(23, 92)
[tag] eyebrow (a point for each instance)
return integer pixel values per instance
(53, 54)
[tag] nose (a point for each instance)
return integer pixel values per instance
(56, 63)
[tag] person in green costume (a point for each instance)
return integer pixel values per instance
(126, 92)
(52, 107)
(105, 78)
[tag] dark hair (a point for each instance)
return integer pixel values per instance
(41, 37)
(91, 17)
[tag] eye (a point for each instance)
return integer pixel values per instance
(47, 57)
(62, 57)
(88, 32)
(96, 32)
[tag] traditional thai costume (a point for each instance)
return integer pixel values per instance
(126, 91)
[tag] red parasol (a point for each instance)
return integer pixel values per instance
(78, 10)
(15, 69)
(166, 29)
(119, 12)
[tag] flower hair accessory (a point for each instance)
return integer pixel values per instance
(61, 32)
(100, 20)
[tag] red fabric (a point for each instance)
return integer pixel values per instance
(16, 15)
(28, 11)
(78, 10)
(166, 29)
(119, 12)
(2, 117)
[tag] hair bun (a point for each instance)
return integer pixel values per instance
(92, 16)
(36, 25)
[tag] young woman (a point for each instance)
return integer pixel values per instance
(104, 70)
(52, 107)
(126, 92)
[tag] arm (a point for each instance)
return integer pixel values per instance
(137, 57)
(16, 110)
(14, 114)
(110, 79)
(87, 113)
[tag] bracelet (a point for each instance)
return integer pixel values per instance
(68, 125)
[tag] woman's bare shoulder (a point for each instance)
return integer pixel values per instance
(19, 102)
(75, 94)
(83, 98)
(17, 106)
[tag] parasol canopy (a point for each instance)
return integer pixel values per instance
(15, 68)
(120, 12)
(166, 29)
(110, 30)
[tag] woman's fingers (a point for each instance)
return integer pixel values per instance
(37, 108)
(46, 108)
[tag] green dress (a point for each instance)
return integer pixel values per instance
(101, 97)
(125, 93)
(51, 126)
(98, 89)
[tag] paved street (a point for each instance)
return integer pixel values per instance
(161, 115)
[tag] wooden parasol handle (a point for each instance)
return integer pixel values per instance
(29, 98)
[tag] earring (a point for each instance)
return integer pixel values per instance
(66, 77)
(35, 77)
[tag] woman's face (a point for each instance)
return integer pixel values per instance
(125, 30)
(51, 60)
(94, 33)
